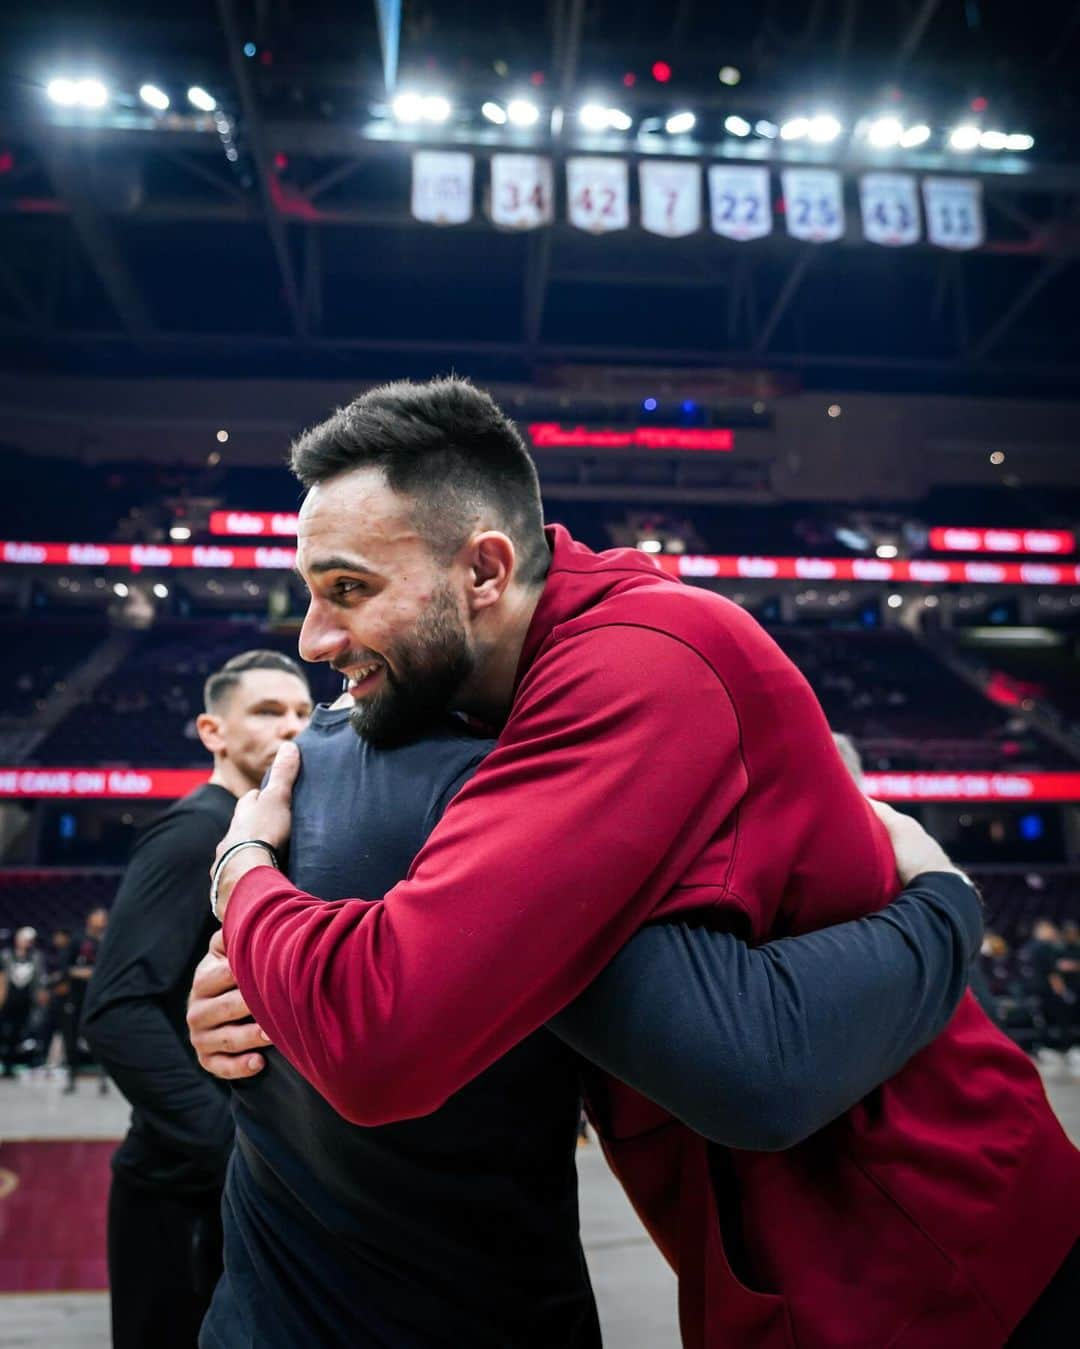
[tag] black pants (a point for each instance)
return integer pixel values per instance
(164, 1262)
(1051, 1323)
(14, 1021)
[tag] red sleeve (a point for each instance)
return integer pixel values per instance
(620, 760)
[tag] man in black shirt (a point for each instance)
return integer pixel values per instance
(82, 957)
(164, 1204)
(461, 1228)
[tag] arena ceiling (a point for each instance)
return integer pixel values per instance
(141, 242)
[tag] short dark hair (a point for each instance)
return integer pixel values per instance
(450, 447)
(221, 683)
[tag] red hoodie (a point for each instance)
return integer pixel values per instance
(664, 758)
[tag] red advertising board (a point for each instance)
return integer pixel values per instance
(91, 784)
(96, 784)
(1015, 787)
(141, 556)
(556, 436)
(1041, 542)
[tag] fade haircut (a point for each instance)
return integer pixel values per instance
(448, 446)
(218, 688)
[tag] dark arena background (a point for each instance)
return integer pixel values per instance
(783, 294)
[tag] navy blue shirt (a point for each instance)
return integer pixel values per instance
(458, 1229)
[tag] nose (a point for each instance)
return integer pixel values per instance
(321, 638)
(292, 723)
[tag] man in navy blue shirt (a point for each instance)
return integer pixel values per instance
(462, 1227)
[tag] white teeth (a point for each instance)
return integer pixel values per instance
(358, 675)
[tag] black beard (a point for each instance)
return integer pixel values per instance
(418, 693)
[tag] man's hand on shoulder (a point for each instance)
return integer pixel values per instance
(219, 1022)
(916, 852)
(265, 815)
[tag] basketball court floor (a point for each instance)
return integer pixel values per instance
(54, 1152)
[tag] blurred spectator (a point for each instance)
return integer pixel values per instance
(57, 987)
(1046, 982)
(82, 957)
(850, 755)
(22, 973)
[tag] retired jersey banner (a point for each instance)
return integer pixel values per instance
(890, 209)
(521, 191)
(442, 187)
(814, 204)
(598, 194)
(670, 197)
(954, 214)
(740, 202)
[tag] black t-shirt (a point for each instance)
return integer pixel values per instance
(458, 1229)
(136, 1002)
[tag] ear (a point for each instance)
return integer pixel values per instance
(491, 563)
(210, 733)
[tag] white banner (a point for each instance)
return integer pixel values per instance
(741, 207)
(813, 204)
(442, 187)
(670, 197)
(598, 194)
(954, 215)
(521, 191)
(890, 209)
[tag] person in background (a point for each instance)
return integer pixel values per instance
(1041, 957)
(22, 972)
(850, 755)
(1068, 967)
(81, 957)
(164, 1204)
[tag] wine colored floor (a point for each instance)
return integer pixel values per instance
(53, 1197)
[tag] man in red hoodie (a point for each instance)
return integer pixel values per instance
(658, 757)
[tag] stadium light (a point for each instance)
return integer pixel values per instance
(522, 112)
(161, 590)
(795, 128)
(593, 117)
(1019, 140)
(885, 132)
(679, 123)
(85, 93)
(179, 533)
(154, 97)
(62, 92)
(887, 550)
(993, 140)
(199, 98)
(823, 128)
(494, 112)
(964, 137)
(769, 130)
(91, 93)
(737, 126)
(730, 75)
(895, 601)
(435, 108)
(915, 135)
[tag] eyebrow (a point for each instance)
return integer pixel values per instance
(339, 562)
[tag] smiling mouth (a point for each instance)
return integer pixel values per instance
(363, 678)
